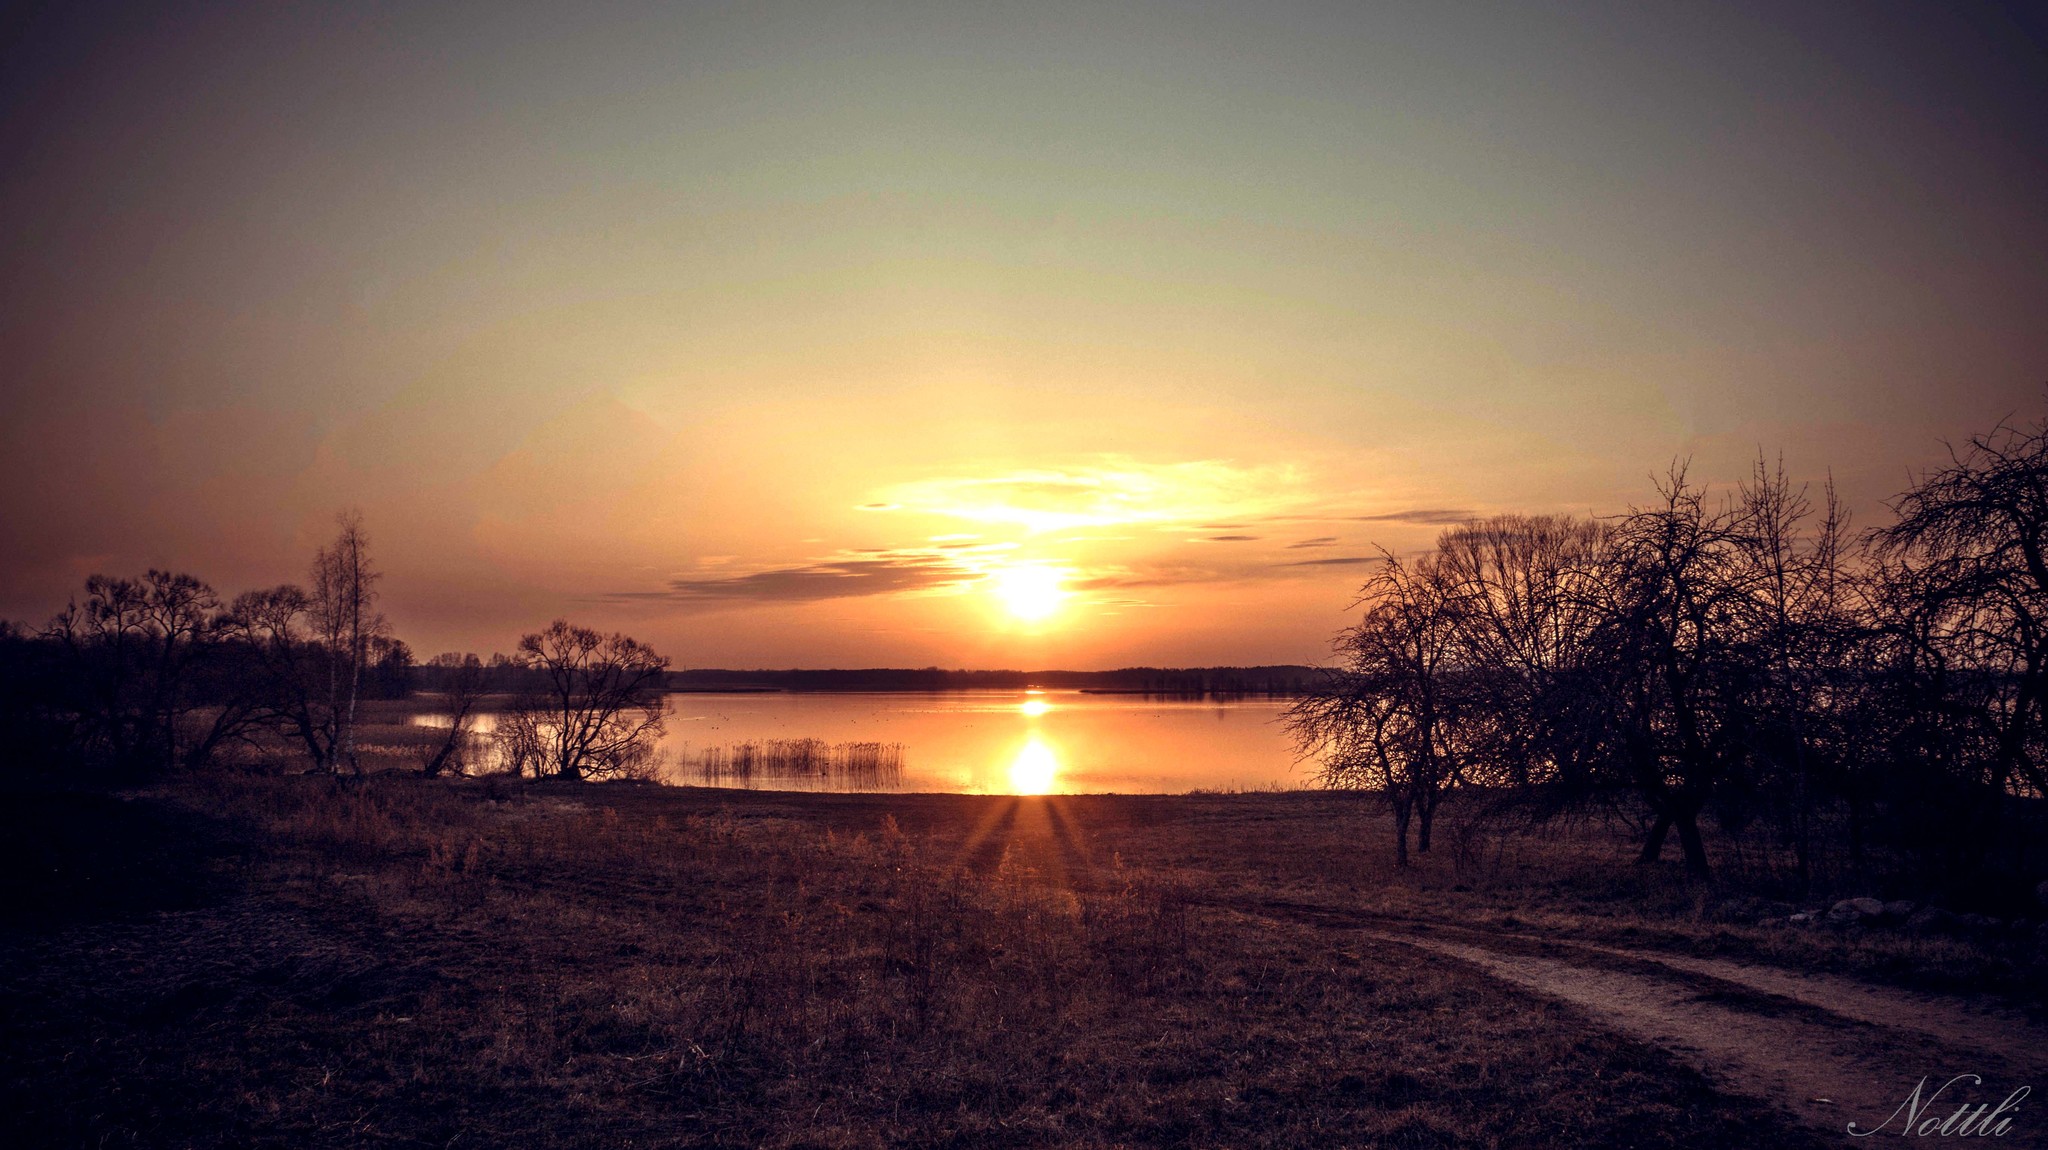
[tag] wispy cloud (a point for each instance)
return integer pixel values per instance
(1420, 516)
(1113, 491)
(1342, 561)
(839, 580)
(1318, 541)
(845, 575)
(1425, 516)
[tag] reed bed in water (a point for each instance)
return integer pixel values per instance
(855, 765)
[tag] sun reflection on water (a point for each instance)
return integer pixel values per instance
(1035, 770)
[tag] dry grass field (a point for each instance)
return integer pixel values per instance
(292, 962)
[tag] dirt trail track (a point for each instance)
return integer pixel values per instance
(1789, 1038)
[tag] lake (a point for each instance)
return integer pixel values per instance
(977, 742)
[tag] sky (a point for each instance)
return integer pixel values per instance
(1032, 335)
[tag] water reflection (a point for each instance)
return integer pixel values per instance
(1001, 742)
(1035, 770)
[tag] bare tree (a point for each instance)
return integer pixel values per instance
(1970, 553)
(344, 617)
(1524, 585)
(1678, 628)
(292, 668)
(462, 688)
(1351, 729)
(1958, 672)
(1740, 662)
(598, 712)
(1397, 716)
(309, 650)
(136, 659)
(1808, 623)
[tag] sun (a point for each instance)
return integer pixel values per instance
(1029, 592)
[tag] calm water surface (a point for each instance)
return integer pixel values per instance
(1008, 742)
(997, 742)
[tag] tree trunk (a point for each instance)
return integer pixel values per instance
(1426, 815)
(439, 762)
(1689, 839)
(1401, 813)
(1653, 845)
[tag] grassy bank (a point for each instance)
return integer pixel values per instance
(286, 962)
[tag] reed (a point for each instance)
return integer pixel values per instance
(858, 766)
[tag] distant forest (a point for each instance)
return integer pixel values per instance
(1275, 681)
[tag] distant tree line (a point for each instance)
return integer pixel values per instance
(1270, 681)
(1744, 663)
(150, 675)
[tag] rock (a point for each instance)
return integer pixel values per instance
(1800, 919)
(1851, 910)
(1898, 910)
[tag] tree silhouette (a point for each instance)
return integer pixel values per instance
(598, 710)
(342, 609)
(133, 671)
(1398, 716)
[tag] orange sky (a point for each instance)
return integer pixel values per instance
(805, 337)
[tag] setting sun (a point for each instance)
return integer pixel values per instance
(1030, 593)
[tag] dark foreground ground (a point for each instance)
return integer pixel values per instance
(286, 962)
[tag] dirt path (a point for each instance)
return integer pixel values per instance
(1957, 1022)
(1829, 1050)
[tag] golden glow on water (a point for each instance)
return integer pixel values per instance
(1029, 592)
(980, 742)
(1035, 770)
